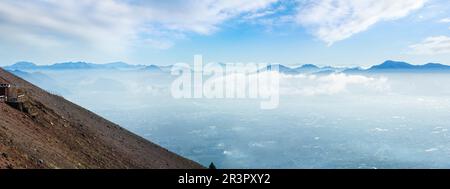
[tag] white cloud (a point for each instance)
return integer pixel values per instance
(106, 25)
(114, 25)
(335, 20)
(432, 46)
(445, 20)
(313, 85)
(333, 84)
(202, 16)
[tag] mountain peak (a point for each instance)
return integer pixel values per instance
(390, 64)
(25, 63)
(72, 65)
(153, 68)
(397, 65)
(309, 66)
(22, 65)
(434, 65)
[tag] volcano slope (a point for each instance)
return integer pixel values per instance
(51, 132)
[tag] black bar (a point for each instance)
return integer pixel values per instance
(278, 177)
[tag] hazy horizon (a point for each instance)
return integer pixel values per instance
(386, 120)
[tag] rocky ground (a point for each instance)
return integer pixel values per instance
(51, 132)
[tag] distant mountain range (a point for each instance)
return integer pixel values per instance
(387, 66)
(403, 66)
(42, 80)
(71, 66)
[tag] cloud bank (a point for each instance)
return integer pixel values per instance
(115, 25)
(333, 84)
(432, 46)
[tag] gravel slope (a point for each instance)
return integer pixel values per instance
(54, 133)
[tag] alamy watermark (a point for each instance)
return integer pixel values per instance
(227, 81)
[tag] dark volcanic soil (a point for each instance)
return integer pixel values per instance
(51, 132)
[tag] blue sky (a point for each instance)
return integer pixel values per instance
(291, 32)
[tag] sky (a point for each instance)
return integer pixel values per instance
(290, 32)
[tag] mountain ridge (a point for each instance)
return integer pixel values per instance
(388, 66)
(24, 65)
